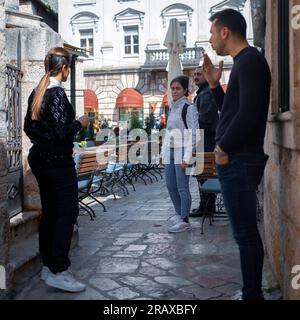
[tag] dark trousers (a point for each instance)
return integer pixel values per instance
(239, 181)
(59, 198)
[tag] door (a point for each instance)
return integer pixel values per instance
(14, 139)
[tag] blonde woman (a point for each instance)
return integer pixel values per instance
(51, 126)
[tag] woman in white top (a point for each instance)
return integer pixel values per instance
(178, 146)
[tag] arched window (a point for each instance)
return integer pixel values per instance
(178, 10)
(85, 24)
(182, 13)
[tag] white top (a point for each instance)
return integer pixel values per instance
(54, 83)
(177, 136)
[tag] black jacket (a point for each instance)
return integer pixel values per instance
(207, 109)
(208, 116)
(53, 135)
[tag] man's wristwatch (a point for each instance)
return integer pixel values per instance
(219, 152)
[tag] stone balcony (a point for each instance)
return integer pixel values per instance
(158, 58)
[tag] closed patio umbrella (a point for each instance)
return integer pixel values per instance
(175, 43)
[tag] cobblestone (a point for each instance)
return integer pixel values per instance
(127, 253)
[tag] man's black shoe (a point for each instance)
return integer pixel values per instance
(199, 212)
(196, 213)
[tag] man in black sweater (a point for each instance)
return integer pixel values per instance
(240, 137)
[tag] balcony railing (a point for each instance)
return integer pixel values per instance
(158, 58)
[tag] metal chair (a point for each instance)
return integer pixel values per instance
(206, 162)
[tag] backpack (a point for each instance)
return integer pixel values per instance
(184, 113)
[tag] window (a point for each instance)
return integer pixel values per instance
(131, 40)
(283, 56)
(183, 29)
(87, 40)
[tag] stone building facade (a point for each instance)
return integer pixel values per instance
(124, 40)
(282, 175)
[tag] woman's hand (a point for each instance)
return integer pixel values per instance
(211, 73)
(84, 120)
(184, 165)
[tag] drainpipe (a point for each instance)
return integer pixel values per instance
(73, 81)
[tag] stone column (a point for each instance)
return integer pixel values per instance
(12, 5)
(4, 220)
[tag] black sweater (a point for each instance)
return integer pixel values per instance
(244, 108)
(53, 135)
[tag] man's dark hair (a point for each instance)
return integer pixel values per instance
(233, 20)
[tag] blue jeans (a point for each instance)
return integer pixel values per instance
(239, 181)
(178, 186)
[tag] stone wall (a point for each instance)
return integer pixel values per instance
(282, 175)
(35, 43)
(4, 219)
(12, 4)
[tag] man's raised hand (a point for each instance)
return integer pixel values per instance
(211, 73)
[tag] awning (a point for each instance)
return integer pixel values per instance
(130, 98)
(90, 99)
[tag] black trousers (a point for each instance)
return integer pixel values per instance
(59, 198)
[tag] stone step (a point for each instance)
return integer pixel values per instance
(23, 225)
(25, 259)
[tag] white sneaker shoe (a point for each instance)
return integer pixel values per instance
(45, 273)
(65, 281)
(180, 227)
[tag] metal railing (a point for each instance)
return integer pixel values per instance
(159, 57)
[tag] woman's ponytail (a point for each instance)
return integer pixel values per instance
(39, 95)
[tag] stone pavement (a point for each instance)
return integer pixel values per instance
(127, 253)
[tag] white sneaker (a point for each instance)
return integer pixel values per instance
(237, 296)
(45, 273)
(180, 227)
(65, 281)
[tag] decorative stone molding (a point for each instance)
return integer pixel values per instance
(177, 10)
(78, 3)
(228, 4)
(129, 16)
(84, 20)
(121, 1)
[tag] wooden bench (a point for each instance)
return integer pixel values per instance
(87, 168)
